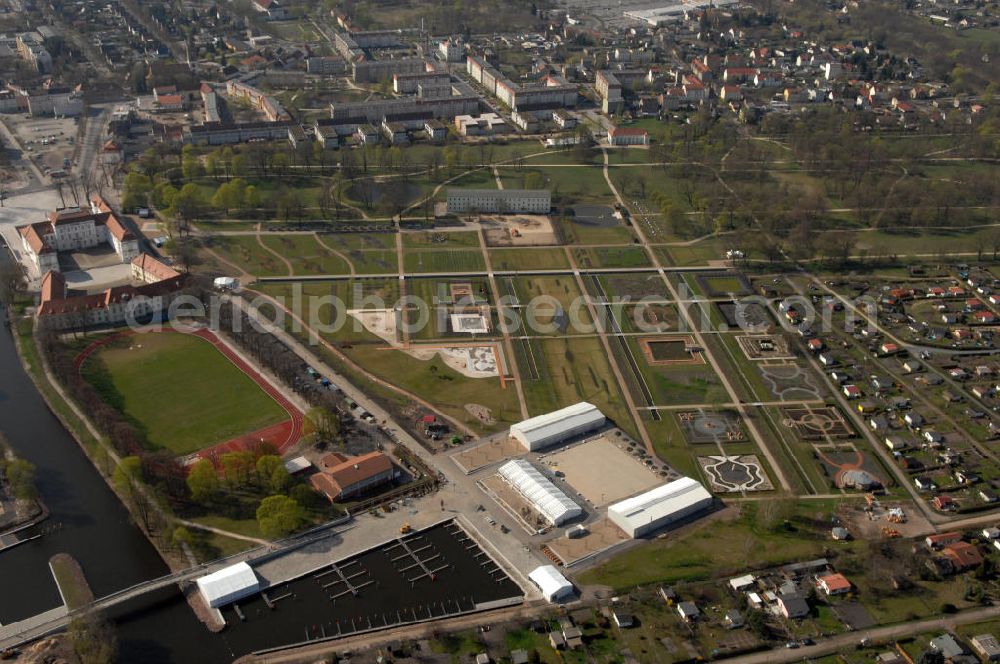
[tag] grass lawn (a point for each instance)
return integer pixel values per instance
(561, 372)
(180, 391)
(306, 254)
(441, 385)
(438, 239)
(540, 258)
(611, 257)
(443, 261)
(247, 527)
(717, 548)
(243, 251)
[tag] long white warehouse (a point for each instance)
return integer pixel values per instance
(554, 586)
(548, 499)
(228, 584)
(659, 507)
(557, 426)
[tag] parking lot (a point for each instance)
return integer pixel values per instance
(49, 142)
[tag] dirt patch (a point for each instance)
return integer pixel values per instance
(484, 414)
(469, 360)
(519, 231)
(380, 322)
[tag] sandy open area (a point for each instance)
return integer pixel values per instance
(523, 230)
(471, 361)
(602, 472)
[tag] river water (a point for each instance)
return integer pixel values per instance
(89, 522)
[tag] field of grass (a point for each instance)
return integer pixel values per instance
(306, 254)
(611, 257)
(72, 584)
(535, 258)
(577, 233)
(181, 392)
(440, 240)
(243, 251)
(428, 260)
(247, 527)
(670, 384)
(696, 254)
(718, 548)
(569, 371)
(441, 385)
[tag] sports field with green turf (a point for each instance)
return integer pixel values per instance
(179, 390)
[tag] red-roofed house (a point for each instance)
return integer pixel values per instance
(963, 556)
(833, 584)
(628, 136)
(341, 478)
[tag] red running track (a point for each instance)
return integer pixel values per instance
(282, 435)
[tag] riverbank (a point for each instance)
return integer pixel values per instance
(20, 506)
(82, 430)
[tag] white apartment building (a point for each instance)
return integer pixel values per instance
(512, 201)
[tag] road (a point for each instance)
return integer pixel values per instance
(848, 641)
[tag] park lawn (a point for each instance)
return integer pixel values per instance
(245, 527)
(529, 258)
(571, 184)
(306, 254)
(181, 392)
(447, 389)
(671, 384)
(718, 548)
(699, 253)
(639, 317)
(909, 242)
(577, 233)
(539, 316)
(244, 252)
(440, 240)
(376, 261)
(345, 242)
(671, 447)
(611, 257)
(459, 260)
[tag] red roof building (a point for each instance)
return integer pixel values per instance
(341, 478)
(834, 584)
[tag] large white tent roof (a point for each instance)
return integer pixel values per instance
(547, 498)
(228, 584)
(579, 416)
(552, 584)
(677, 497)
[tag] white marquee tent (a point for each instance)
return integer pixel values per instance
(553, 585)
(546, 497)
(228, 584)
